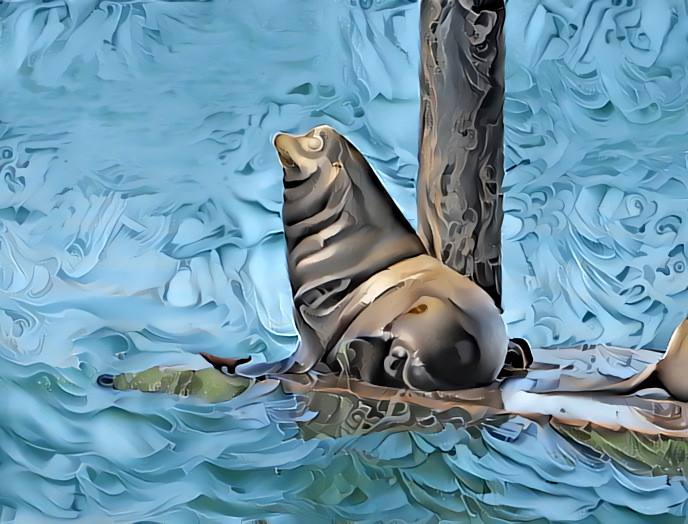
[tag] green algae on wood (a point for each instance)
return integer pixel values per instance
(208, 384)
(639, 453)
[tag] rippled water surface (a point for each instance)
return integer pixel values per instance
(139, 225)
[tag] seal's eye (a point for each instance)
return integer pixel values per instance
(314, 143)
(417, 310)
(337, 165)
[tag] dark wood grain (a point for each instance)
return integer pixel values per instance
(461, 151)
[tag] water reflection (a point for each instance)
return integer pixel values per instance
(342, 406)
(333, 448)
(324, 451)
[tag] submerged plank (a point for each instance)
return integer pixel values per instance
(208, 384)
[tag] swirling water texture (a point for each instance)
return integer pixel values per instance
(139, 209)
(595, 196)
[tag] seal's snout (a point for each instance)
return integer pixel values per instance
(285, 146)
(294, 150)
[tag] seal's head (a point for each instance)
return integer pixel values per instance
(304, 155)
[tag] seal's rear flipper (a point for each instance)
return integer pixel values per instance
(519, 358)
(519, 354)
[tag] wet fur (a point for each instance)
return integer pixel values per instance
(367, 297)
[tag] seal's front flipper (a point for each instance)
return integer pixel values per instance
(363, 358)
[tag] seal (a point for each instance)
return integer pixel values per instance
(668, 373)
(368, 298)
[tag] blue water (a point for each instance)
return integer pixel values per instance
(139, 225)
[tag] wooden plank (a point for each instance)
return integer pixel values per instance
(461, 152)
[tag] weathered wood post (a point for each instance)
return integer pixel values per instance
(461, 152)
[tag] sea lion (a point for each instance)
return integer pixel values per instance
(367, 296)
(669, 373)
